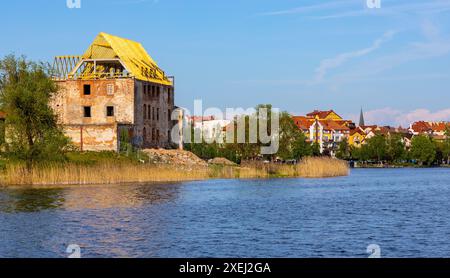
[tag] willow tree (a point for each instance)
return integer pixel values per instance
(31, 125)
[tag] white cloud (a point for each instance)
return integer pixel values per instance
(425, 115)
(395, 117)
(340, 59)
(434, 46)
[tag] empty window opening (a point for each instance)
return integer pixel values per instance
(110, 111)
(87, 111)
(86, 89)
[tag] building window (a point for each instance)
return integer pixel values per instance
(145, 111)
(158, 92)
(110, 111)
(153, 113)
(87, 111)
(157, 135)
(153, 134)
(149, 113)
(86, 89)
(157, 114)
(169, 115)
(110, 89)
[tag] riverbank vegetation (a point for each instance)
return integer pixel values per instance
(112, 168)
(391, 150)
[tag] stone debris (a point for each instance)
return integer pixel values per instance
(221, 161)
(177, 157)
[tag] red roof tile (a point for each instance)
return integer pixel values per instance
(421, 126)
(303, 122)
(321, 114)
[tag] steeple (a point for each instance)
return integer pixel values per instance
(361, 118)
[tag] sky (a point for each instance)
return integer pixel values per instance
(392, 61)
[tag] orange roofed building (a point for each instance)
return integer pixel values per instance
(437, 130)
(326, 128)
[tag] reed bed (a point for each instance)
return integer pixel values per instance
(114, 173)
(108, 173)
(322, 167)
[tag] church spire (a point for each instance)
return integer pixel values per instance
(361, 118)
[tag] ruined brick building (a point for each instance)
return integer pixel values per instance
(114, 92)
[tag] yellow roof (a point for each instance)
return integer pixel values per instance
(131, 53)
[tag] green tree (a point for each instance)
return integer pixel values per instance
(315, 149)
(376, 147)
(292, 143)
(360, 153)
(395, 148)
(423, 150)
(343, 151)
(25, 93)
(301, 147)
(446, 145)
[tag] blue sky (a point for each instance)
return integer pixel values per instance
(298, 55)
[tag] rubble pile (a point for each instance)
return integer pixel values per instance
(177, 157)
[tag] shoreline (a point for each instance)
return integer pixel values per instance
(402, 166)
(127, 173)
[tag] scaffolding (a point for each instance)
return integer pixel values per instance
(110, 57)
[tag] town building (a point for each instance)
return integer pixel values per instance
(211, 128)
(356, 137)
(114, 92)
(436, 130)
(325, 128)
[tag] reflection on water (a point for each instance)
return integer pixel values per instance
(105, 220)
(30, 200)
(404, 211)
(35, 199)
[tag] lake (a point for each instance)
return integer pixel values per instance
(404, 211)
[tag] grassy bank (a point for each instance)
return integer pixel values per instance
(129, 171)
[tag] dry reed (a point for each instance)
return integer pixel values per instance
(113, 173)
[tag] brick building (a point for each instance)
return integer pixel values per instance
(112, 92)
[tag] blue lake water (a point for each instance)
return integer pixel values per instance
(405, 211)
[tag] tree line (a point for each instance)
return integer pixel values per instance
(391, 148)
